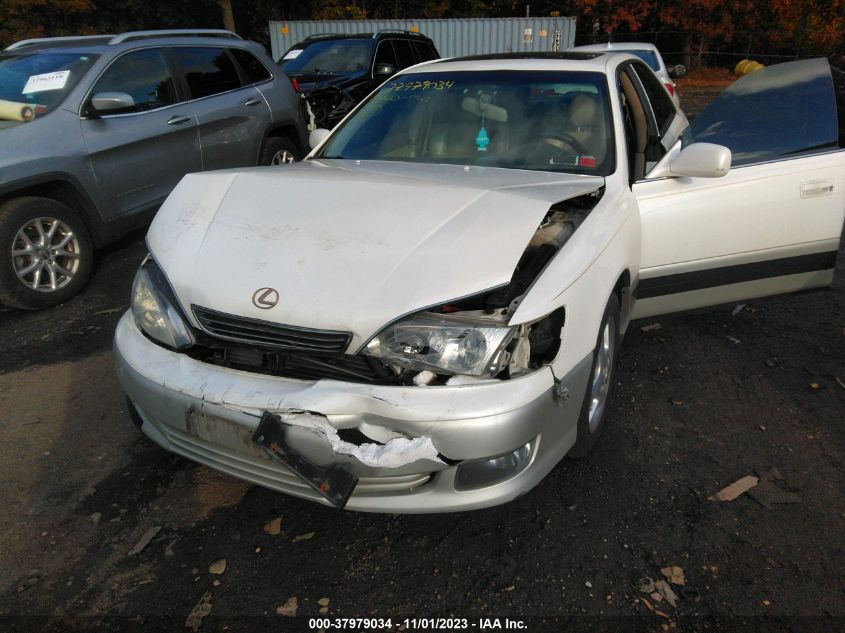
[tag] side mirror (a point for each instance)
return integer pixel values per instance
(385, 70)
(700, 160)
(111, 101)
(317, 136)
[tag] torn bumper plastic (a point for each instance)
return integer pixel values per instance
(420, 435)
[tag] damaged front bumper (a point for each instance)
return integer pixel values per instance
(412, 449)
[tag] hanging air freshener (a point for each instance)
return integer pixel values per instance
(481, 139)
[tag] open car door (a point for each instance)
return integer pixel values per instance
(773, 223)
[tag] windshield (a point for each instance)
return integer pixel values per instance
(549, 121)
(647, 56)
(41, 79)
(331, 57)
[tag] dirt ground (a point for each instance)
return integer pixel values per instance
(709, 397)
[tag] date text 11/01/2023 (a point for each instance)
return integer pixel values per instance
(417, 624)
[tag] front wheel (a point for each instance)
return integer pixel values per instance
(279, 151)
(45, 253)
(594, 407)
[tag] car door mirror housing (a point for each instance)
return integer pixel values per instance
(385, 70)
(103, 102)
(701, 160)
(317, 136)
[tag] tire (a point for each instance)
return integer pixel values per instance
(600, 386)
(33, 277)
(279, 151)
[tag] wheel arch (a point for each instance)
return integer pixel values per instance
(63, 189)
(286, 130)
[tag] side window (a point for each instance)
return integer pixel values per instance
(142, 74)
(208, 70)
(253, 69)
(385, 55)
(423, 51)
(661, 102)
(404, 53)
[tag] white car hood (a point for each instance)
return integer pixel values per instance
(349, 246)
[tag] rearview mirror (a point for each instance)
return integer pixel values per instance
(385, 70)
(317, 136)
(110, 101)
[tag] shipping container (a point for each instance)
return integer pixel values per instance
(453, 38)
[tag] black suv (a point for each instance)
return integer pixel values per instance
(335, 71)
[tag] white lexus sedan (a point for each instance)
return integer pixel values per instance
(424, 315)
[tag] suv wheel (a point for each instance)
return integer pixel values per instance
(279, 151)
(45, 253)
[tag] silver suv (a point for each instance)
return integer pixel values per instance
(96, 131)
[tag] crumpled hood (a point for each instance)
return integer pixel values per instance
(349, 246)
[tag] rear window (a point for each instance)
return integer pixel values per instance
(778, 112)
(424, 51)
(208, 70)
(328, 57)
(647, 56)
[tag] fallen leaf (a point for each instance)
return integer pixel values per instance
(274, 527)
(674, 574)
(199, 612)
(729, 493)
(814, 385)
(841, 383)
(148, 536)
(666, 591)
(323, 602)
(217, 567)
(677, 403)
(734, 339)
(588, 584)
(650, 328)
(323, 610)
(737, 309)
(304, 537)
(510, 588)
(288, 608)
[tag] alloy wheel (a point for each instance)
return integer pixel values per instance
(600, 383)
(45, 254)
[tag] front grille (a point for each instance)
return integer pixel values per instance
(282, 337)
(345, 367)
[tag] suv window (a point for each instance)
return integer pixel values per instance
(661, 102)
(144, 75)
(329, 57)
(253, 69)
(208, 70)
(424, 51)
(386, 55)
(41, 79)
(404, 52)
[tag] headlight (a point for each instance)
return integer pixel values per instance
(155, 308)
(444, 344)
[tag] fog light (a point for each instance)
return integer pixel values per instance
(489, 472)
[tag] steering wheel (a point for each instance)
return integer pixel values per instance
(556, 137)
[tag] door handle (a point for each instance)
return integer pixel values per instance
(178, 120)
(253, 101)
(815, 188)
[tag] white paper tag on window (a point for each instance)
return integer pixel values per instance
(293, 54)
(48, 81)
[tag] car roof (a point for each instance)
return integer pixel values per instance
(560, 61)
(379, 35)
(616, 46)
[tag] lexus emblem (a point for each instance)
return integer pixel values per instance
(265, 298)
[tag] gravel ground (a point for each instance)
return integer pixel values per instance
(709, 397)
